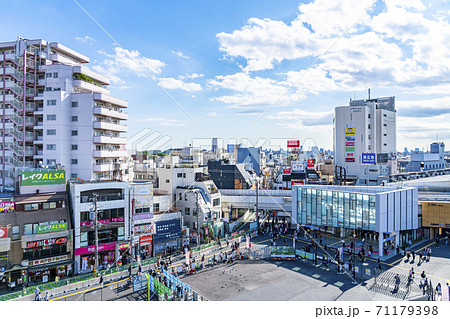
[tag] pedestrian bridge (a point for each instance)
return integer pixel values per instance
(268, 199)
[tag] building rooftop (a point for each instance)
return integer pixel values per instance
(356, 189)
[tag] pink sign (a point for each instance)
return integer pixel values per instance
(91, 249)
(102, 221)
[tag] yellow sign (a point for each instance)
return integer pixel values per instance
(349, 131)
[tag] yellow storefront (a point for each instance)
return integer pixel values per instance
(436, 218)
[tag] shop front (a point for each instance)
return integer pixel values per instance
(49, 269)
(143, 235)
(146, 246)
(85, 257)
(435, 219)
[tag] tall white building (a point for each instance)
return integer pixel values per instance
(55, 110)
(365, 139)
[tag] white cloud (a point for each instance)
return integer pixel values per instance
(174, 84)
(162, 121)
(194, 75)
(180, 54)
(86, 39)
(124, 61)
(253, 90)
(212, 114)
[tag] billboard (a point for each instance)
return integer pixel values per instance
(350, 155)
(3, 232)
(230, 148)
(350, 138)
(6, 207)
(293, 143)
(349, 149)
(368, 158)
(349, 143)
(167, 230)
(349, 160)
(311, 162)
(297, 167)
(43, 177)
(47, 242)
(293, 183)
(286, 170)
(349, 131)
(142, 194)
(41, 229)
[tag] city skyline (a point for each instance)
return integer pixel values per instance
(225, 64)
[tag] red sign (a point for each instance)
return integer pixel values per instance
(46, 242)
(349, 143)
(297, 183)
(91, 249)
(287, 170)
(349, 154)
(293, 143)
(350, 160)
(146, 239)
(311, 163)
(102, 221)
(3, 232)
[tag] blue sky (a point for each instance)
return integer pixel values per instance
(226, 62)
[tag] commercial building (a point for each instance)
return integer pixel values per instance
(432, 160)
(383, 213)
(251, 157)
(55, 110)
(113, 218)
(436, 219)
(365, 139)
(229, 176)
(35, 237)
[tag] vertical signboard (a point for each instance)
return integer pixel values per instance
(349, 144)
(142, 195)
(286, 170)
(311, 162)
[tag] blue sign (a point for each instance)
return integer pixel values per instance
(230, 148)
(341, 253)
(368, 158)
(350, 138)
(167, 230)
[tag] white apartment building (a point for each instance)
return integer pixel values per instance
(55, 110)
(365, 137)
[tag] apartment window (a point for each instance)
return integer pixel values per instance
(179, 175)
(74, 118)
(15, 232)
(185, 196)
(74, 104)
(56, 89)
(51, 102)
(216, 202)
(187, 210)
(167, 166)
(48, 75)
(74, 147)
(48, 88)
(51, 162)
(55, 75)
(167, 181)
(384, 134)
(51, 147)
(49, 205)
(51, 132)
(369, 115)
(384, 115)
(384, 144)
(74, 133)
(74, 175)
(184, 175)
(369, 137)
(368, 126)
(74, 161)
(51, 117)
(28, 229)
(155, 207)
(384, 124)
(369, 147)
(180, 196)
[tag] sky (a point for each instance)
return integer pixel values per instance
(255, 72)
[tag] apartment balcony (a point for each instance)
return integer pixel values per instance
(103, 167)
(38, 139)
(110, 154)
(13, 72)
(39, 125)
(110, 140)
(111, 113)
(110, 126)
(38, 154)
(94, 75)
(17, 90)
(10, 57)
(29, 151)
(89, 87)
(110, 99)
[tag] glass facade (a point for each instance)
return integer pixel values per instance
(336, 209)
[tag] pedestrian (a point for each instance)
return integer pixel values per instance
(36, 293)
(379, 263)
(420, 256)
(446, 240)
(413, 256)
(438, 291)
(39, 296)
(429, 253)
(101, 281)
(423, 276)
(437, 244)
(397, 281)
(412, 271)
(140, 269)
(129, 271)
(398, 250)
(46, 296)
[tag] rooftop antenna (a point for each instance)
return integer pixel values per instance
(369, 93)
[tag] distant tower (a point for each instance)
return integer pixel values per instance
(214, 145)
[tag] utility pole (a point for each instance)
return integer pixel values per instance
(96, 230)
(198, 220)
(256, 206)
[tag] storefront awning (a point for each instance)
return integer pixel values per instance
(51, 265)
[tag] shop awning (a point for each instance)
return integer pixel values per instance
(51, 265)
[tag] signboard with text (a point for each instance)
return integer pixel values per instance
(41, 229)
(349, 160)
(168, 229)
(6, 207)
(47, 242)
(349, 131)
(293, 143)
(43, 177)
(91, 249)
(286, 170)
(142, 195)
(368, 158)
(230, 148)
(3, 232)
(311, 162)
(297, 167)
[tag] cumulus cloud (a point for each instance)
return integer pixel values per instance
(174, 84)
(86, 39)
(180, 54)
(124, 61)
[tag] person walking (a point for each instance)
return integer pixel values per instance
(429, 253)
(413, 256)
(397, 281)
(101, 281)
(46, 298)
(423, 276)
(412, 272)
(379, 263)
(36, 293)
